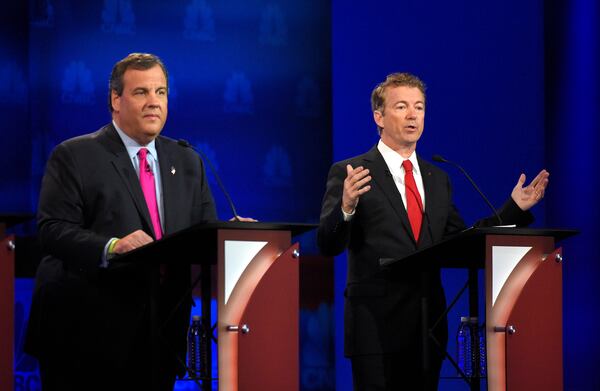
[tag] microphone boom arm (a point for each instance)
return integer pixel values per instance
(186, 144)
(440, 159)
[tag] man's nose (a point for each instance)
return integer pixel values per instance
(411, 112)
(153, 99)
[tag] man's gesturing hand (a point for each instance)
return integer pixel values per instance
(355, 185)
(526, 197)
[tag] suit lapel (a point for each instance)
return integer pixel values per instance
(168, 176)
(124, 168)
(382, 176)
(427, 178)
(428, 185)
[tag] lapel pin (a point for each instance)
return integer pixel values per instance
(173, 170)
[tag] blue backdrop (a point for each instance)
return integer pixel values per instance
(274, 91)
(250, 85)
(572, 130)
(513, 87)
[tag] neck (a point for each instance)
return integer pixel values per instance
(140, 139)
(404, 150)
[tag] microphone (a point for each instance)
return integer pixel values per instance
(186, 144)
(439, 159)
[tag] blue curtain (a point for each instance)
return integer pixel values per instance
(573, 139)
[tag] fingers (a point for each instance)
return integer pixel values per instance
(360, 183)
(539, 184)
(132, 241)
(355, 185)
(543, 175)
(356, 175)
(531, 194)
(540, 189)
(243, 219)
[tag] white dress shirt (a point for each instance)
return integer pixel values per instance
(133, 147)
(394, 162)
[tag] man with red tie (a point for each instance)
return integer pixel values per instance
(374, 206)
(104, 194)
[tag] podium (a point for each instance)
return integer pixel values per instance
(257, 274)
(523, 297)
(7, 299)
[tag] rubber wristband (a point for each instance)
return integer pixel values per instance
(112, 245)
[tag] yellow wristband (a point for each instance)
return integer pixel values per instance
(112, 245)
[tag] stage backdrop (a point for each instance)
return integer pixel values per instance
(572, 53)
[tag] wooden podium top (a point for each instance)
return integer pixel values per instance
(198, 243)
(10, 219)
(467, 248)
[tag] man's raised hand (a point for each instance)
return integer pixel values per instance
(355, 185)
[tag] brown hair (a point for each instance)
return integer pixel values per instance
(394, 80)
(139, 61)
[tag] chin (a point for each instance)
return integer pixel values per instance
(153, 131)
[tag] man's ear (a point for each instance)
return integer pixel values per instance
(378, 118)
(115, 100)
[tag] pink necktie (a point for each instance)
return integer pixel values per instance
(414, 205)
(149, 189)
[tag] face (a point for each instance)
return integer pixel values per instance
(141, 110)
(403, 117)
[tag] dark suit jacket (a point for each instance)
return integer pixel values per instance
(382, 309)
(90, 193)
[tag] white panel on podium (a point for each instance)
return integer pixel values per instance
(238, 255)
(504, 260)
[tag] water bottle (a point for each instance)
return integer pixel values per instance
(482, 353)
(195, 347)
(475, 346)
(464, 343)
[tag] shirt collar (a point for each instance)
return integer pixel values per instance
(394, 160)
(133, 146)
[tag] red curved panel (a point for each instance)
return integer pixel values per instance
(269, 354)
(266, 299)
(534, 352)
(7, 300)
(497, 315)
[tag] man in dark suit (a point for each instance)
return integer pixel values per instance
(374, 206)
(90, 318)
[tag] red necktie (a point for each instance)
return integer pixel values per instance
(414, 205)
(149, 189)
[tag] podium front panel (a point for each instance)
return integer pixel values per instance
(269, 353)
(534, 354)
(512, 265)
(7, 319)
(257, 310)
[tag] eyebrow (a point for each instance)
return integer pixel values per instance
(406, 102)
(144, 89)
